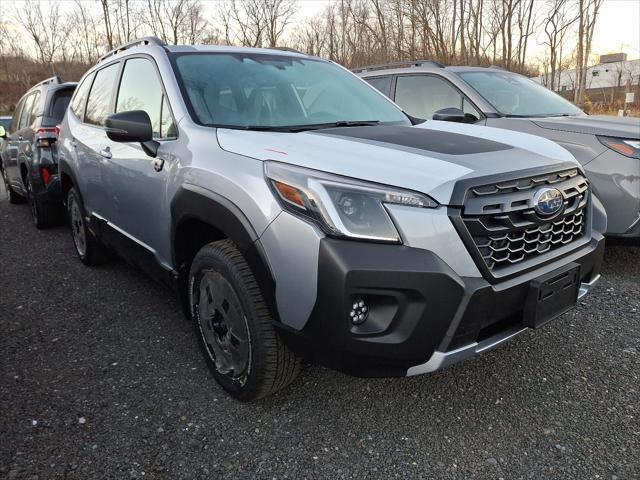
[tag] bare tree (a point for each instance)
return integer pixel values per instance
(558, 21)
(45, 29)
(588, 13)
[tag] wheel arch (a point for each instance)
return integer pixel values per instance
(67, 179)
(198, 217)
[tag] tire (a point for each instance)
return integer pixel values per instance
(11, 193)
(234, 327)
(89, 250)
(44, 215)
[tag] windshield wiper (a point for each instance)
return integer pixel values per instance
(297, 128)
(538, 115)
(338, 124)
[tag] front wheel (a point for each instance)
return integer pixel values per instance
(234, 328)
(90, 251)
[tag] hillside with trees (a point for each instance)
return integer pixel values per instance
(40, 39)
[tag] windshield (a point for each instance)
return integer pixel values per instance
(263, 91)
(515, 95)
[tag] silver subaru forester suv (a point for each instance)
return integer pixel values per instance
(297, 212)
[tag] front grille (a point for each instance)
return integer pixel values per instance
(505, 227)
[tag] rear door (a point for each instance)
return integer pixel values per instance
(137, 183)
(10, 146)
(19, 147)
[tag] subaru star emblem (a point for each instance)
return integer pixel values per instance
(548, 201)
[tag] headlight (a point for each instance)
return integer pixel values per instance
(628, 148)
(340, 206)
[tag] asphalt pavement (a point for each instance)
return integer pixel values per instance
(102, 378)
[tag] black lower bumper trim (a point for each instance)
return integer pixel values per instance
(416, 305)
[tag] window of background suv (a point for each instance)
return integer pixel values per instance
(148, 96)
(264, 90)
(100, 95)
(381, 83)
(16, 115)
(423, 95)
(58, 106)
(515, 95)
(29, 110)
(79, 100)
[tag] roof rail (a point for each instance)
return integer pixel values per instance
(287, 49)
(49, 80)
(133, 43)
(384, 66)
(497, 67)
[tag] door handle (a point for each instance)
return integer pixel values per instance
(106, 153)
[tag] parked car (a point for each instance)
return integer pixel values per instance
(29, 157)
(297, 211)
(607, 147)
(5, 122)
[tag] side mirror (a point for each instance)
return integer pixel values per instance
(450, 115)
(3, 132)
(132, 126)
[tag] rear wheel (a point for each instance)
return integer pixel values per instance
(11, 193)
(234, 327)
(44, 215)
(90, 251)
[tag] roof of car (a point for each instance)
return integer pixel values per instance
(154, 43)
(380, 70)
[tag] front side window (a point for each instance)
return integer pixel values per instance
(79, 100)
(100, 96)
(248, 90)
(423, 95)
(517, 96)
(146, 95)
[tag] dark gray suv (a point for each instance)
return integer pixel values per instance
(607, 147)
(28, 155)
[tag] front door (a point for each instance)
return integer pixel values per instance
(136, 182)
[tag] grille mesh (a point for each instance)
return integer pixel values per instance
(507, 230)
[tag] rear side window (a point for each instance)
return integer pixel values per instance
(147, 96)
(80, 98)
(381, 83)
(15, 121)
(58, 107)
(100, 95)
(28, 110)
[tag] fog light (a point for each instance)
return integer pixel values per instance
(359, 312)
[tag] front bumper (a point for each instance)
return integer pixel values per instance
(422, 316)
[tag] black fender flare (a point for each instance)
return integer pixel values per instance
(65, 168)
(192, 202)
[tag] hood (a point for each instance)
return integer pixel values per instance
(427, 160)
(609, 126)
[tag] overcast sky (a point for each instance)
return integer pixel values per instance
(618, 28)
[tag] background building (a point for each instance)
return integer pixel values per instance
(607, 82)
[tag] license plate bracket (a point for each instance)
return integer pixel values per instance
(552, 295)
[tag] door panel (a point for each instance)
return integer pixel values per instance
(137, 189)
